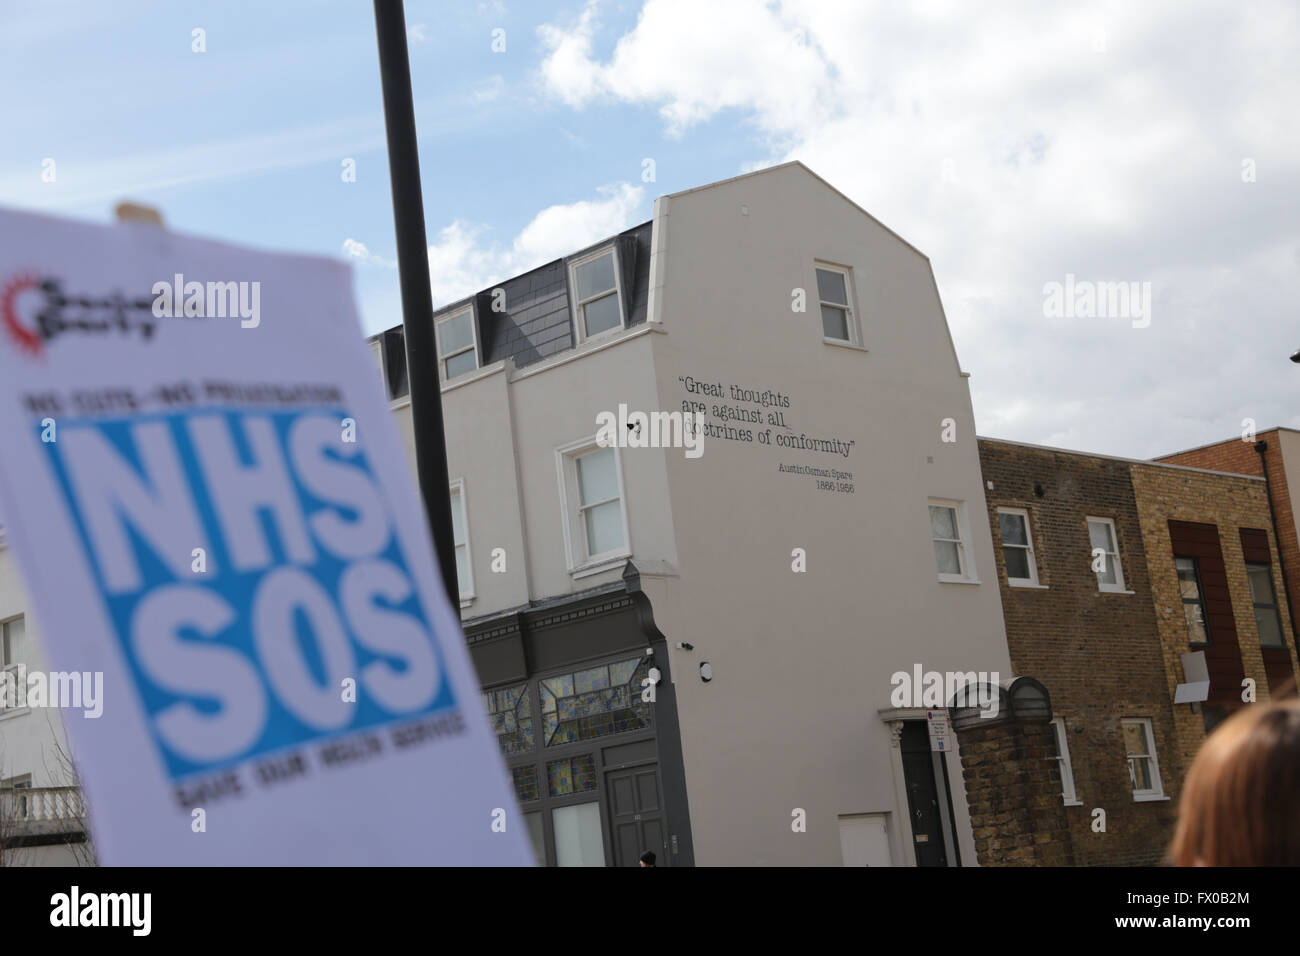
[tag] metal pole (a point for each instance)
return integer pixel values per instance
(417, 298)
(1260, 448)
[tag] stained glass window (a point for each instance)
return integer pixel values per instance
(526, 783)
(510, 715)
(595, 702)
(571, 775)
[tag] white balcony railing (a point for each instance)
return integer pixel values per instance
(38, 810)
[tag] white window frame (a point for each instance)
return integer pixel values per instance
(437, 343)
(579, 318)
(20, 782)
(4, 626)
(18, 672)
(1118, 587)
(457, 491)
(965, 551)
(850, 309)
(1250, 586)
(1157, 791)
(1028, 547)
(1068, 793)
(377, 347)
(577, 560)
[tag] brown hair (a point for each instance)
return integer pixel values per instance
(1241, 801)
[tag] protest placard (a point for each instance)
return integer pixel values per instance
(212, 509)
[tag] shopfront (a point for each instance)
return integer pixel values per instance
(591, 743)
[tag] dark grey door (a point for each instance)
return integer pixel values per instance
(923, 804)
(636, 815)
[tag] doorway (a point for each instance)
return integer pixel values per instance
(925, 807)
(636, 815)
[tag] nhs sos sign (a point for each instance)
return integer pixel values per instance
(251, 569)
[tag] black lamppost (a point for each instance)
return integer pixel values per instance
(413, 275)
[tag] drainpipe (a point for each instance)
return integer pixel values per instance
(1261, 446)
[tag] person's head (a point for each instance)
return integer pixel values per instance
(648, 858)
(1239, 800)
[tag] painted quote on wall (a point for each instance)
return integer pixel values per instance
(740, 414)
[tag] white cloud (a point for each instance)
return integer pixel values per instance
(1012, 150)
(735, 54)
(463, 260)
(86, 182)
(358, 251)
(417, 33)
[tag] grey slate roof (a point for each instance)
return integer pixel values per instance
(538, 321)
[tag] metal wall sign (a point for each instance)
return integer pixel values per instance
(215, 519)
(940, 730)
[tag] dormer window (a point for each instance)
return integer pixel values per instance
(597, 294)
(391, 362)
(457, 345)
(377, 350)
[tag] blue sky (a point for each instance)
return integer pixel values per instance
(245, 141)
(1014, 145)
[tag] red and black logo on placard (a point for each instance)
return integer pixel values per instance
(34, 310)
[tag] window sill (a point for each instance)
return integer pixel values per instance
(469, 378)
(951, 579)
(599, 337)
(1026, 585)
(840, 343)
(587, 347)
(1149, 798)
(466, 600)
(1114, 591)
(602, 564)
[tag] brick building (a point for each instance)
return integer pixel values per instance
(1273, 455)
(1217, 587)
(1094, 558)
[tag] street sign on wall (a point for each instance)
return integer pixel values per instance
(940, 730)
(213, 513)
